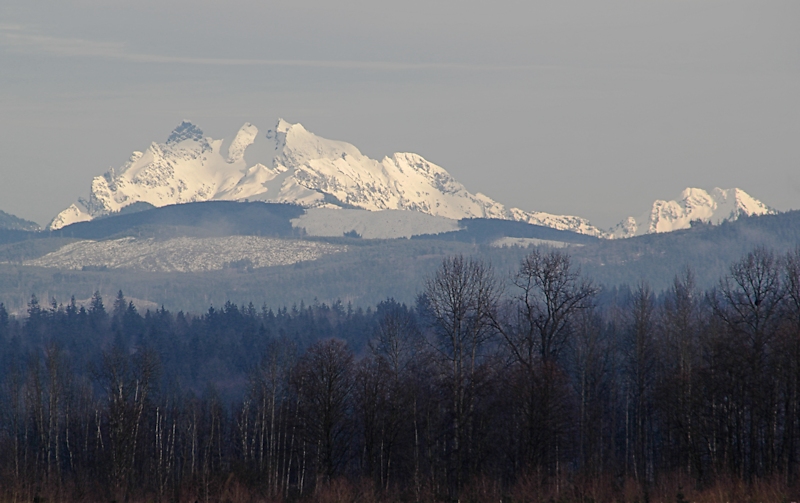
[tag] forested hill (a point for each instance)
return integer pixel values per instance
(487, 230)
(9, 221)
(221, 218)
(208, 218)
(706, 249)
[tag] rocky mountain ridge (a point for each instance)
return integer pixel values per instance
(290, 164)
(693, 204)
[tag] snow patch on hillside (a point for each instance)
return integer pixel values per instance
(184, 254)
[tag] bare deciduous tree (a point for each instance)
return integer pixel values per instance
(748, 304)
(127, 381)
(324, 378)
(461, 297)
(640, 372)
(542, 318)
(680, 329)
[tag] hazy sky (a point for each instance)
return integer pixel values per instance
(591, 108)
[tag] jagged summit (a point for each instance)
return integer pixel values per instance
(693, 204)
(185, 131)
(290, 164)
(244, 138)
(284, 126)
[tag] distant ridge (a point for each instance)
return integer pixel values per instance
(488, 230)
(211, 218)
(224, 218)
(12, 222)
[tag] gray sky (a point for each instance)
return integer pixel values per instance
(591, 108)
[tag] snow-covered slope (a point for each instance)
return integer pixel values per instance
(184, 254)
(290, 164)
(693, 204)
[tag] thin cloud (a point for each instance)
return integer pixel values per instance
(20, 39)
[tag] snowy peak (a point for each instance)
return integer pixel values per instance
(283, 126)
(244, 138)
(185, 131)
(738, 202)
(73, 214)
(693, 204)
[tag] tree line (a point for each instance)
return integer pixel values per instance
(541, 386)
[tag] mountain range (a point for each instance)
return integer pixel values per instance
(289, 164)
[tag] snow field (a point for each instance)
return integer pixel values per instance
(185, 254)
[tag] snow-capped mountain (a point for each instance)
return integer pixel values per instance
(290, 164)
(693, 204)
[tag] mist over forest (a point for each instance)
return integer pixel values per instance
(168, 262)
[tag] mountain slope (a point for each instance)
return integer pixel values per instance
(290, 164)
(209, 218)
(184, 254)
(12, 222)
(693, 204)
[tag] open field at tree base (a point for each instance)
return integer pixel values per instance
(240, 488)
